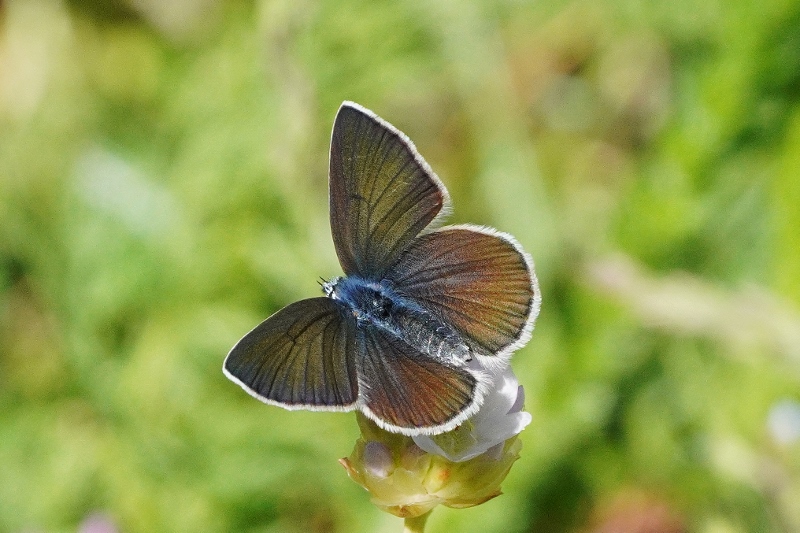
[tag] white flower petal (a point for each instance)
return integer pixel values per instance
(499, 418)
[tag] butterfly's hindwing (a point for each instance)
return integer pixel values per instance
(476, 279)
(406, 391)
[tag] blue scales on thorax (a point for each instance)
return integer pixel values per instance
(378, 304)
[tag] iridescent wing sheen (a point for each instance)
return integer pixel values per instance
(382, 193)
(302, 357)
(405, 391)
(476, 279)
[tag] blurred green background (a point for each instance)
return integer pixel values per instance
(163, 189)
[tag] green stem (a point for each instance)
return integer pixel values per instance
(416, 524)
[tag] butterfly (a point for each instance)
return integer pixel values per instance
(409, 334)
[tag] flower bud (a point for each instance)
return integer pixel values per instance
(460, 468)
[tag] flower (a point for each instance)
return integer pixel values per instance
(499, 418)
(409, 476)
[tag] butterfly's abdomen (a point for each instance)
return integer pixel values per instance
(377, 304)
(429, 335)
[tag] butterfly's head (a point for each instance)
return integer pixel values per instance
(329, 287)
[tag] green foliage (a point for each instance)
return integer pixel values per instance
(163, 189)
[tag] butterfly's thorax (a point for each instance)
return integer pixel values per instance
(379, 304)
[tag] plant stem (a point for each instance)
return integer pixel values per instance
(416, 524)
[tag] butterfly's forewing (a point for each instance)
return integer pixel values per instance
(302, 357)
(382, 193)
(406, 391)
(476, 279)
